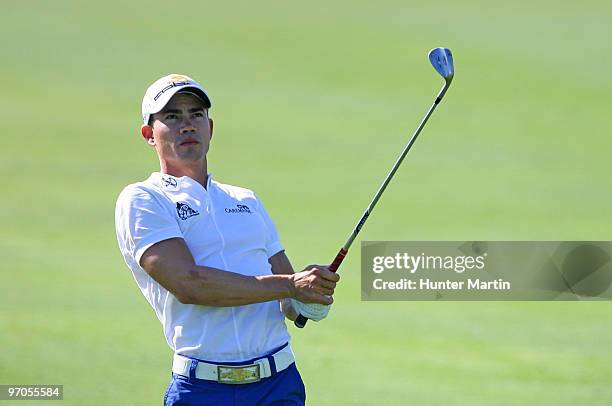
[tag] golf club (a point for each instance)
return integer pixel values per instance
(442, 61)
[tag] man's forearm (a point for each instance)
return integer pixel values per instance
(171, 264)
(214, 287)
(280, 264)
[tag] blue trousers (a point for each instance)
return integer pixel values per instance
(282, 389)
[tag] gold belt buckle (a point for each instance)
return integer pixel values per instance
(238, 375)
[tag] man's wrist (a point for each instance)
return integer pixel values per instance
(282, 284)
(290, 287)
(288, 290)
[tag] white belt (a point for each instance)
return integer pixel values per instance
(234, 374)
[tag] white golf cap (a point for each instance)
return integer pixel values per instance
(160, 93)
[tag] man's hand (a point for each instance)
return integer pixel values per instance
(312, 311)
(292, 308)
(288, 310)
(315, 284)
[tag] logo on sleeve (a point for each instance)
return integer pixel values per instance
(184, 211)
(240, 208)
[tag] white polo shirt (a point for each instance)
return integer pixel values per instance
(225, 227)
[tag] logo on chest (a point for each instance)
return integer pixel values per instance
(240, 208)
(184, 211)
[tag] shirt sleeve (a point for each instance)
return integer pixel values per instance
(141, 220)
(273, 244)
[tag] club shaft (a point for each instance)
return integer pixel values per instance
(391, 173)
(301, 321)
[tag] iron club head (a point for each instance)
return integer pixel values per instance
(442, 61)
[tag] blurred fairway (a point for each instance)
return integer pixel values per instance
(312, 102)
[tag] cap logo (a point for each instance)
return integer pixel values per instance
(170, 86)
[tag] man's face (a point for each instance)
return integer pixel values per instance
(182, 130)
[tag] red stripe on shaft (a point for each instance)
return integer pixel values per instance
(338, 260)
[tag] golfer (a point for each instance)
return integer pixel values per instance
(208, 259)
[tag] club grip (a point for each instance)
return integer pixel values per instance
(301, 321)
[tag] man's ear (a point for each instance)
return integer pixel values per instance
(147, 134)
(210, 125)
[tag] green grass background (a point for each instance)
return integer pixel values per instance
(312, 103)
